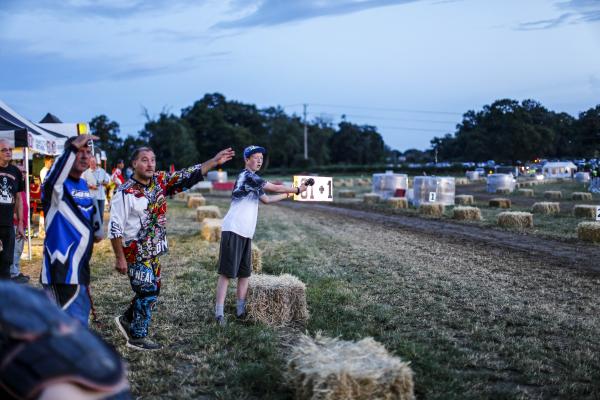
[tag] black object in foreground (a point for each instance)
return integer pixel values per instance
(309, 182)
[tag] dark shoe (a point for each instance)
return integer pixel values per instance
(243, 317)
(143, 343)
(20, 279)
(124, 326)
(220, 320)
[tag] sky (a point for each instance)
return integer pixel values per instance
(409, 67)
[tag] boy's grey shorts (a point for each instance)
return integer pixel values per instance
(235, 256)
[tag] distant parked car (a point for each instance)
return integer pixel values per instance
(480, 171)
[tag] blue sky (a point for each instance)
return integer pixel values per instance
(409, 67)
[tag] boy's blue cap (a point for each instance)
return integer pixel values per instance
(248, 151)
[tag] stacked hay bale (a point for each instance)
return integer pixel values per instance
(210, 229)
(346, 194)
(371, 198)
(553, 194)
(432, 209)
(546, 207)
(515, 219)
(256, 259)
(526, 192)
(276, 300)
(467, 213)
(585, 196)
(195, 201)
(499, 202)
(584, 211)
(207, 212)
(589, 231)
(397, 202)
(327, 368)
(464, 200)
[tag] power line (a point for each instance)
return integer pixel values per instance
(393, 119)
(386, 109)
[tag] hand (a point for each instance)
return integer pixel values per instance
(302, 188)
(20, 231)
(223, 156)
(121, 266)
(82, 140)
(93, 187)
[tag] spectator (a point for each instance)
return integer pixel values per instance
(97, 180)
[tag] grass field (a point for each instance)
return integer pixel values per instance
(474, 322)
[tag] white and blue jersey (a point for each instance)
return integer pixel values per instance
(243, 212)
(68, 209)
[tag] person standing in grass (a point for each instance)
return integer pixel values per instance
(137, 230)
(239, 224)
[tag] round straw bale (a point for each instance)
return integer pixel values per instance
(432, 209)
(503, 191)
(346, 194)
(500, 202)
(397, 202)
(584, 211)
(581, 196)
(276, 300)
(467, 213)
(515, 219)
(371, 198)
(195, 201)
(327, 368)
(589, 231)
(256, 259)
(210, 229)
(207, 212)
(526, 192)
(464, 199)
(553, 194)
(545, 207)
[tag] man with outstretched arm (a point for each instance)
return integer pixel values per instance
(235, 255)
(137, 230)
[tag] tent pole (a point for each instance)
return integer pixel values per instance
(26, 164)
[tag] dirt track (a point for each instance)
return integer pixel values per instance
(578, 255)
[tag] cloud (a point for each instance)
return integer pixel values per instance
(577, 11)
(277, 12)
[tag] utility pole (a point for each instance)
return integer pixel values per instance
(305, 135)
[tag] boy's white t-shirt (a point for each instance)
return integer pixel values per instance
(243, 212)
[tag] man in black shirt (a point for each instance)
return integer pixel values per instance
(11, 184)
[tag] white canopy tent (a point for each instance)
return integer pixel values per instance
(559, 169)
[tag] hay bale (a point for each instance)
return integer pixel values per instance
(526, 192)
(589, 231)
(210, 229)
(461, 181)
(515, 219)
(207, 212)
(276, 300)
(464, 199)
(397, 202)
(195, 201)
(327, 368)
(585, 211)
(181, 196)
(499, 202)
(585, 196)
(545, 207)
(371, 198)
(467, 213)
(256, 259)
(553, 194)
(432, 209)
(350, 182)
(503, 191)
(346, 194)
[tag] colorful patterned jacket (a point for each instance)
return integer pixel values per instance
(138, 212)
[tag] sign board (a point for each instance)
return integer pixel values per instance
(597, 213)
(322, 190)
(432, 196)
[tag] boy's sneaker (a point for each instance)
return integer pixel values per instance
(143, 343)
(123, 326)
(220, 320)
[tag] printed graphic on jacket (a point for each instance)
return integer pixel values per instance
(243, 212)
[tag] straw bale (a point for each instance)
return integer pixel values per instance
(350, 182)
(346, 194)
(195, 201)
(397, 202)
(461, 181)
(553, 194)
(526, 192)
(276, 300)
(589, 231)
(256, 259)
(371, 198)
(181, 196)
(210, 229)
(545, 207)
(432, 209)
(499, 202)
(361, 182)
(327, 368)
(467, 213)
(503, 191)
(584, 211)
(581, 196)
(515, 219)
(464, 199)
(207, 212)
